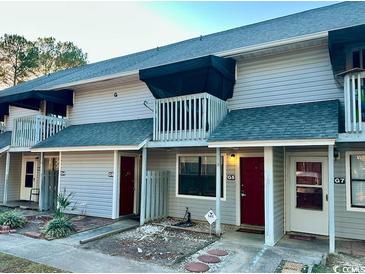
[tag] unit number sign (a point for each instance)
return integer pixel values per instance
(339, 180)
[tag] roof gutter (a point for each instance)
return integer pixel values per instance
(91, 148)
(85, 148)
(272, 143)
(4, 149)
(228, 53)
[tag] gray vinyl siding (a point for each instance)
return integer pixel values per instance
(166, 160)
(349, 224)
(14, 183)
(296, 77)
(100, 105)
(86, 176)
(2, 175)
(17, 112)
(278, 184)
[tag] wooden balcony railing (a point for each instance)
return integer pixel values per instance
(187, 118)
(28, 131)
(354, 101)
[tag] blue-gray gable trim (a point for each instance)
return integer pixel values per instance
(317, 120)
(121, 133)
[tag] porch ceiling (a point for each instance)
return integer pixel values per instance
(129, 134)
(316, 120)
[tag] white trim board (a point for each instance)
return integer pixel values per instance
(186, 143)
(305, 142)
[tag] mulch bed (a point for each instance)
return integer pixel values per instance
(165, 246)
(36, 223)
(198, 226)
(83, 223)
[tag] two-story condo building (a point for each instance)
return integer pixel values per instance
(264, 124)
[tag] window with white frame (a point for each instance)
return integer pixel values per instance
(356, 188)
(197, 176)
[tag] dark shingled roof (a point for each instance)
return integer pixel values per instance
(5, 139)
(332, 17)
(318, 120)
(121, 133)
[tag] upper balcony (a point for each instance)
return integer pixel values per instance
(30, 130)
(354, 100)
(187, 118)
(190, 100)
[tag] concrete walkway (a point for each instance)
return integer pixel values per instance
(249, 254)
(70, 258)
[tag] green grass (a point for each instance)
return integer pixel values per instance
(12, 264)
(318, 268)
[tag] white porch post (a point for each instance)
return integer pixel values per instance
(269, 196)
(6, 182)
(115, 208)
(41, 184)
(331, 200)
(143, 186)
(218, 191)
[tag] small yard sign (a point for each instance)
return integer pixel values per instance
(210, 216)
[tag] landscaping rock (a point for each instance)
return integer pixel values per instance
(4, 228)
(196, 267)
(33, 234)
(4, 232)
(217, 252)
(12, 230)
(209, 259)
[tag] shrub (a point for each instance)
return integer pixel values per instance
(58, 228)
(13, 219)
(64, 202)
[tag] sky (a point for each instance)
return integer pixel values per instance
(109, 29)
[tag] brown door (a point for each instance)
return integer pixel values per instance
(126, 201)
(252, 190)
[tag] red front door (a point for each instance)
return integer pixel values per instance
(126, 201)
(252, 190)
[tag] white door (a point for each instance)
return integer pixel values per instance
(308, 195)
(28, 179)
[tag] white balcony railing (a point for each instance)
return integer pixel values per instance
(28, 131)
(187, 118)
(354, 100)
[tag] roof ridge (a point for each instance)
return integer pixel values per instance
(157, 48)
